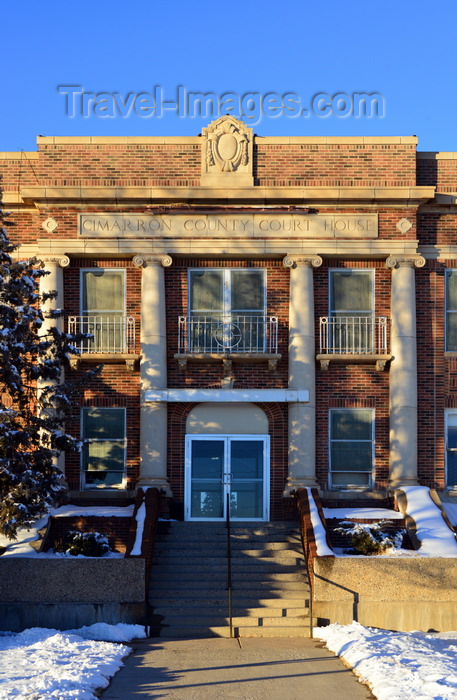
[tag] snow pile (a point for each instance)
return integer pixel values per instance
(397, 665)
(45, 663)
(437, 540)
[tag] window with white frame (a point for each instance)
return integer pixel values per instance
(103, 310)
(451, 310)
(351, 447)
(104, 450)
(351, 322)
(226, 310)
(451, 449)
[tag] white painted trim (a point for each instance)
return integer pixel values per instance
(228, 395)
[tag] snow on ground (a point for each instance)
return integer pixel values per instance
(22, 548)
(397, 665)
(44, 663)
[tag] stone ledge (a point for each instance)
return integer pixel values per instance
(227, 358)
(353, 359)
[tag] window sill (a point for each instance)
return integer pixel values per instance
(353, 359)
(130, 359)
(228, 358)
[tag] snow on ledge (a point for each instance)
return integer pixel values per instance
(437, 540)
(323, 550)
(363, 513)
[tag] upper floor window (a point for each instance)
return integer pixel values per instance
(351, 447)
(226, 311)
(451, 310)
(103, 313)
(227, 292)
(351, 322)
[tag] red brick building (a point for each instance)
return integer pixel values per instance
(271, 312)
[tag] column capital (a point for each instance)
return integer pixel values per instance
(299, 260)
(154, 259)
(405, 260)
(60, 260)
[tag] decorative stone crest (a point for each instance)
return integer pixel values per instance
(227, 153)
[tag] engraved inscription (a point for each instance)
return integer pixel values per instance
(229, 225)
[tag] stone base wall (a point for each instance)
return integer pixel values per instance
(409, 593)
(66, 580)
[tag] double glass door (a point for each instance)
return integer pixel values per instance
(227, 469)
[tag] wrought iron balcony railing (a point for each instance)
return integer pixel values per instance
(353, 335)
(236, 334)
(109, 334)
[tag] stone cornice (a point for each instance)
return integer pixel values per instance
(274, 140)
(256, 195)
(276, 248)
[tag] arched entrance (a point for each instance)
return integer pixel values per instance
(227, 462)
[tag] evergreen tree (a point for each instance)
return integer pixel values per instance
(34, 400)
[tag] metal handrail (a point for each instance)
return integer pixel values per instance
(229, 567)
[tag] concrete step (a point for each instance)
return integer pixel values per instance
(251, 570)
(188, 592)
(221, 619)
(258, 607)
(179, 557)
(242, 579)
(199, 632)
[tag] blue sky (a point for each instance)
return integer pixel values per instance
(403, 51)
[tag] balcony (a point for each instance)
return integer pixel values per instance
(353, 339)
(234, 338)
(110, 339)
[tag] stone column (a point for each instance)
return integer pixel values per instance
(153, 371)
(403, 370)
(53, 282)
(302, 373)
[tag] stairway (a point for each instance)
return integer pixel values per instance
(188, 588)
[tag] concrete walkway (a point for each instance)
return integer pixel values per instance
(245, 669)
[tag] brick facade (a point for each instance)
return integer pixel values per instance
(300, 177)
